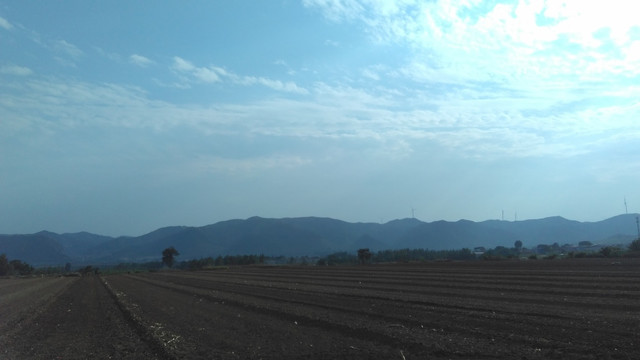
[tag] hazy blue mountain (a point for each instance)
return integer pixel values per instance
(310, 236)
(562, 231)
(129, 248)
(369, 242)
(445, 235)
(35, 249)
(77, 245)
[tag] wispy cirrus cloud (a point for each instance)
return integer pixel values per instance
(213, 74)
(67, 49)
(5, 24)
(16, 70)
(227, 165)
(203, 74)
(140, 60)
(510, 42)
(338, 10)
(523, 78)
(333, 113)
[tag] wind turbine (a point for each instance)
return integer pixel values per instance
(626, 210)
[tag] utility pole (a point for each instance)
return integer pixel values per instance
(638, 225)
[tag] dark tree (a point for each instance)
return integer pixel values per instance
(4, 265)
(518, 246)
(168, 254)
(606, 251)
(364, 255)
(635, 245)
(543, 249)
(20, 267)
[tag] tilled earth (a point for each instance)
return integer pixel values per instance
(562, 309)
(82, 322)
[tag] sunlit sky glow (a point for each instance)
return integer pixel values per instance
(120, 117)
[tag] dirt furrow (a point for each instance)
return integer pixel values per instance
(497, 299)
(408, 320)
(594, 286)
(436, 310)
(82, 322)
(244, 327)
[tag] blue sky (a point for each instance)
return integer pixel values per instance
(120, 117)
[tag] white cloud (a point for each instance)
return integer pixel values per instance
(218, 164)
(68, 49)
(371, 74)
(140, 60)
(206, 75)
(331, 43)
(181, 64)
(273, 84)
(213, 74)
(202, 74)
(501, 41)
(468, 125)
(5, 24)
(109, 55)
(16, 70)
(337, 10)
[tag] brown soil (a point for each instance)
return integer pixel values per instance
(82, 322)
(561, 309)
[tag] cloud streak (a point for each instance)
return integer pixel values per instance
(336, 113)
(140, 60)
(214, 74)
(68, 49)
(5, 24)
(16, 70)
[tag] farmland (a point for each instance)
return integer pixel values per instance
(564, 309)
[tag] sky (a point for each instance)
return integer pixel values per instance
(120, 117)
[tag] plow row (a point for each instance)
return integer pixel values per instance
(384, 312)
(585, 309)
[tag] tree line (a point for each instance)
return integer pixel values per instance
(14, 267)
(401, 255)
(362, 256)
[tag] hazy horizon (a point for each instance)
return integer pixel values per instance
(118, 118)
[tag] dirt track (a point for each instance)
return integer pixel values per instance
(492, 310)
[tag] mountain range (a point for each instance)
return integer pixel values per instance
(310, 236)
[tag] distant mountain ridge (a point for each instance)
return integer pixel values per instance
(312, 236)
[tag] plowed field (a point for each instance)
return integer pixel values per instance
(561, 309)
